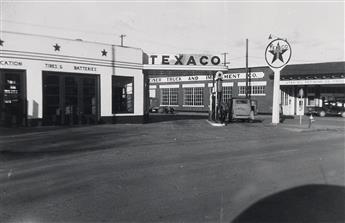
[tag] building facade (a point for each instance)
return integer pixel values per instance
(320, 83)
(55, 81)
(181, 81)
(188, 88)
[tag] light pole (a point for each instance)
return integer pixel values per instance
(247, 84)
(225, 63)
(122, 36)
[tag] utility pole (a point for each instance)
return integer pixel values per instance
(122, 36)
(247, 95)
(225, 63)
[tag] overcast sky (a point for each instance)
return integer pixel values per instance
(315, 30)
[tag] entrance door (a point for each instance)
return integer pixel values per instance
(12, 98)
(71, 108)
(70, 99)
(88, 104)
(288, 100)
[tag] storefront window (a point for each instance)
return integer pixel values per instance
(12, 98)
(258, 89)
(241, 90)
(152, 93)
(123, 95)
(70, 98)
(255, 90)
(227, 93)
(89, 92)
(169, 96)
(193, 96)
(311, 101)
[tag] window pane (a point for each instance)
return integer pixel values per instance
(188, 96)
(227, 93)
(198, 96)
(241, 89)
(165, 96)
(258, 89)
(89, 91)
(193, 96)
(152, 93)
(173, 96)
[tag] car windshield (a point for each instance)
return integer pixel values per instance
(334, 104)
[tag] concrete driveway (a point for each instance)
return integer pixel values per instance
(169, 171)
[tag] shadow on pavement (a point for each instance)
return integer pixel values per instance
(248, 121)
(18, 155)
(154, 118)
(284, 117)
(308, 203)
(8, 131)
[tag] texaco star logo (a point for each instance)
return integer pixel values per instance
(278, 53)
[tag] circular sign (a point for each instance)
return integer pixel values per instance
(219, 75)
(278, 53)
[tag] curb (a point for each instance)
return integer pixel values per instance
(215, 124)
(313, 129)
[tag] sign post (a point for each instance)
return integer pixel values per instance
(277, 55)
(219, 80)
(300, 104)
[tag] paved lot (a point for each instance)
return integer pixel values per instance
(173, 171)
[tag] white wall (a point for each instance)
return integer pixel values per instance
(36, 53)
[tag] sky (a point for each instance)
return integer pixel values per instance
(314, 29)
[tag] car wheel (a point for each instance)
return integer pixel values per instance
(322, 114)
(343, 114)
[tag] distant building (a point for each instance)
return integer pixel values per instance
(188, 87)
(182, 81)
(321, 82)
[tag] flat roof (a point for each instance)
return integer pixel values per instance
(62, 38)
(314, 68)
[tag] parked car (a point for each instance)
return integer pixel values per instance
(162, 110)
(154, 109)
(242, 108)
(329, 108)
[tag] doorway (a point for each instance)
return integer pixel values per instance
(288, 100)
(13, 109)
(70, 99)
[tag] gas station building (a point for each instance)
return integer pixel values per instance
(188, 87)
(55, 81)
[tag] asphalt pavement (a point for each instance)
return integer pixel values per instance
(174, 170)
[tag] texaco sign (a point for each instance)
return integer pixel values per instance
(278, 53)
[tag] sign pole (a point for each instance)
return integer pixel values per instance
(277, 55)
(246, 68)
(300, 105)
(300, 113)
(216, 107)
(276, 95)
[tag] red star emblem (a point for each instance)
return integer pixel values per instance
(277, 52)
(56, 47)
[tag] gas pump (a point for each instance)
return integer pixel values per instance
(216, 97)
